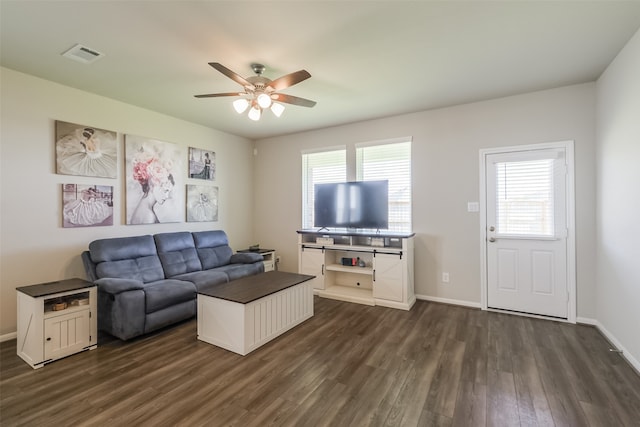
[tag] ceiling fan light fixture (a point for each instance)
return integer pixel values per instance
(277, 109)
(260, 93)
(264, 100)
(254, 113)
(240, 105)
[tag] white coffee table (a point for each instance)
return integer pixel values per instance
(245, 314)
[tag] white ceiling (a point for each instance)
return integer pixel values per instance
(368, 59)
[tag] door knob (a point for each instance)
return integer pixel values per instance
(492, 228)
(492, 239)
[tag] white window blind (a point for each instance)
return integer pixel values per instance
(524, 196)
(320, 168)
(392, 162)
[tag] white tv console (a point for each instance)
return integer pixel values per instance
(386, 278)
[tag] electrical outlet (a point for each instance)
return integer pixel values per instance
(445, 277)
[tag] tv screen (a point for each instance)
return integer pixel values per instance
(358, 204)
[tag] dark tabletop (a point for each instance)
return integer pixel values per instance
(254, 287)
(44, 289)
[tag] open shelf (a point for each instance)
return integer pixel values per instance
(348, 293)
(350, 269)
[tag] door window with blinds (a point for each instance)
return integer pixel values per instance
(525, 196)
(388, 160)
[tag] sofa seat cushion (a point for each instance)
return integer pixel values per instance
(204, 278)
(238, 271)
(168, 292)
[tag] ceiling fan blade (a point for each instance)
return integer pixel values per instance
(232, 75)
(290, 99)
(215, 95)
(289, 80)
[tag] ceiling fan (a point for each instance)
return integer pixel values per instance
(260, 92)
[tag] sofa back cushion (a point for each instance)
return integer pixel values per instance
(127, 258)
(177, 253)
(213, 248)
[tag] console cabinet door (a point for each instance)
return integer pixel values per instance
(312, 262)
(66, 334)
(388, 280)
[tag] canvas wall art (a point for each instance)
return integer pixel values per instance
(87, 205)
(202, 203)
(84, 150)
(202, 164)
(154, 181)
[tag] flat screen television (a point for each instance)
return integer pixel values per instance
(357, 204)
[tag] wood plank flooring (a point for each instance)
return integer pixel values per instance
(436, 365)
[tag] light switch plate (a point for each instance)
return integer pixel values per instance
(473, 207)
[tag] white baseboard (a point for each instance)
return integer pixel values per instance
(586, 321)
(7, 337)
(449, 301)
(614, 341)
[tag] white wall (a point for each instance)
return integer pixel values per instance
(33, 245)
(35, 248)
(618, 200)
(446, 144)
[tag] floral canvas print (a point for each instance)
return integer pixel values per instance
(87, 205)
(155, 190)
(202, 203)
(86, 151)
(202, 164)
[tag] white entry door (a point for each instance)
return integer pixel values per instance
(526, 231)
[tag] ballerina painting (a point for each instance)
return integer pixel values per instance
(87, 205)
(86, 151)
(202, 164)
(202, 203)
(153, 193)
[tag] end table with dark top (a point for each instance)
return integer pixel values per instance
(245, 314)
(56, 320)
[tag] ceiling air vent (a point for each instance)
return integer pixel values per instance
(83, 54)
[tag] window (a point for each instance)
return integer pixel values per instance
(385, 160)
(320, 168)
(389, 161)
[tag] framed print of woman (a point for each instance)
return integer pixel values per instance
(86, 151)
(153, 193)
(202, 164)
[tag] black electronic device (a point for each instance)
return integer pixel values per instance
(356, 204)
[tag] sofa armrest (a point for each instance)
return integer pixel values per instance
(116, 286)
(246, 258)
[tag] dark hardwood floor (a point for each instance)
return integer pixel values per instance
(348, 365)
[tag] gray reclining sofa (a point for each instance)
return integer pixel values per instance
(148, 282)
